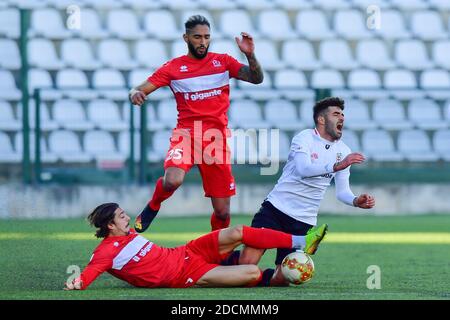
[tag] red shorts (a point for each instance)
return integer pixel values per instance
(210, 152)
(202, 255)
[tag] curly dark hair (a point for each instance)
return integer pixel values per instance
(194, 21)
(101, 216)
(322, 105)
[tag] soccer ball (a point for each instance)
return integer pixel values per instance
(297, 267)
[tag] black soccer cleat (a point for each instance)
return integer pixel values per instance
(144, 219)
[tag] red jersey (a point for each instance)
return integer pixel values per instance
(200, 86)
(136, 260)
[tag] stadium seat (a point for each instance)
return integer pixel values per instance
(9, 55)
(142, 4)
(179, 4)
(364, 4)
(275, 25)
(366, 84)
(8, 88)
(114, 53)
(271, 149)
(306, 113)
(246, 114)
(45, 154)
(77, 53)
(378, 145)
(161, 25)
(253, 5)
(441, 143)
(336, 54)
(262, 91)
(242, 146)
(393, 26)
(125, 144)
(7, 152)
(168, 113)
(151, 53)
(440, 53)
(412, 54)
(70, 115)
(290, 5)
(351, 25)
(100, 145)
(282, 114)
(268, 56)
(350, 138)
(8, 121)
(436, 82)
(306, 61)
(110, 83)
(105, 115)
(227, 46)
(406, 5)
(313, 25)
(415, 146)
(327, 78)
(233, 22)
(389, 114)
(217, 4)
(74, 84)
(48, 23)
(46, 124)
(63, 4)
(428, 26)
(160, 145)
(178, 48)
(92, 26)
(38, 78)
(439, 4)
(374, 54)
(426, 114)
(67, 147)
(331, 4)
(153, 124)
(292, 84)
(357, 115)
(42, 54)
(28, 4)
(10, 23)
(127, 31)
(105, 4)
(402, 84)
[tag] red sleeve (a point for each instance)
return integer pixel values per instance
(233, 66)
(161, 77)
(96, 267)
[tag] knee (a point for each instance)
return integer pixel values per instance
(172, 183)
(254, 272)
(222, 212)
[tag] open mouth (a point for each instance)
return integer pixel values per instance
(339, 127)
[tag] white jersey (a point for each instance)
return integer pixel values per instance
(300, 197)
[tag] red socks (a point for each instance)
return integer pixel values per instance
(159, 195)
(261, 238)
(217, 224)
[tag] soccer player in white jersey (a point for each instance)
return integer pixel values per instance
(199, 81)
(316, 157)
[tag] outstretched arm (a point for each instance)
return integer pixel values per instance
(95, 268)
(344, 194)
(253, 72)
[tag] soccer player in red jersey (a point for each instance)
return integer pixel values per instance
(200, 84)
(130, 257)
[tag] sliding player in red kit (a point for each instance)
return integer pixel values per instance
(140, 262)
(200, 84)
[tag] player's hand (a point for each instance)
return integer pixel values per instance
(364, 201)
(352, 158)
(76, 284)
(137, 97)
(245, 44)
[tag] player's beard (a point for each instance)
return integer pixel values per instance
(330, 128)
(195, 53)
